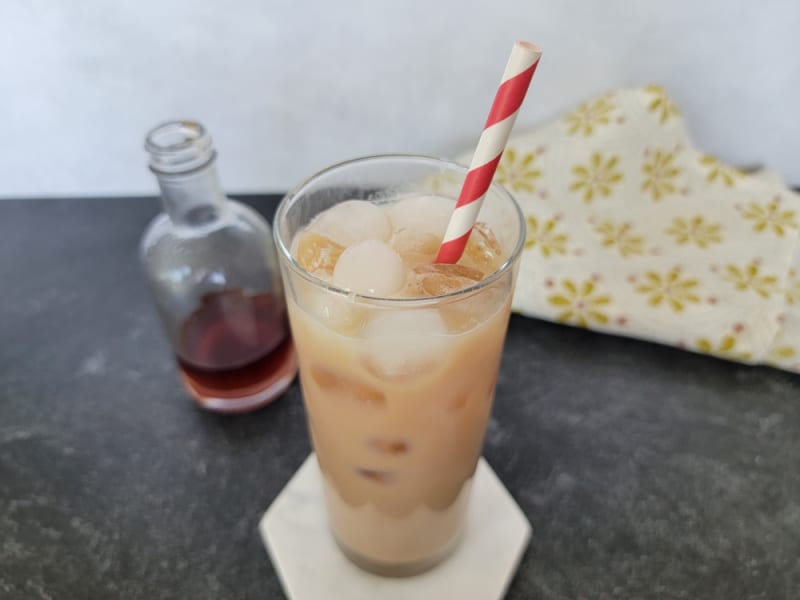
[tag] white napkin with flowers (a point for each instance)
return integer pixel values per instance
(633, 231)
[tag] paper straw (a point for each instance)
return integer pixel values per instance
(516, 79)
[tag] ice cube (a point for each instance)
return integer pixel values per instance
(438, 279)
(335, 312)
(370, 267)
(342, 388)
(391, 446)
(416, 248)
(466, 313)
(317, 254)
(375, 475)
(483, 251)
(405, 344)
(422, 214)
(353, 221)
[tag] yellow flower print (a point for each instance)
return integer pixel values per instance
(671, 288)
(598, 177)
(750, 277)
(780, 353)
(545, 237)
(621, 237)
(770, 216)
(520, 175)
(579, 303)
(725, 348)
(695, 231)
(588, 116)
(792, 288)
(719, 170)
(659, 175)
(661, 104)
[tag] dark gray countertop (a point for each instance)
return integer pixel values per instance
(646, 472)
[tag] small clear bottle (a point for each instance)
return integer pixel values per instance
(211, 266)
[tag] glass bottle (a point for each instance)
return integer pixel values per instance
(211, 266)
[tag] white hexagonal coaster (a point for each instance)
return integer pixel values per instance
(311, 566)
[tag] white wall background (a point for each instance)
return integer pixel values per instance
(287, 87)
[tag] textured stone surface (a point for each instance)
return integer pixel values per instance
(645, 471)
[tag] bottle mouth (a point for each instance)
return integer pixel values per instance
(179, 146)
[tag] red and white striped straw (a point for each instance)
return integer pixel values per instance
(516, 79)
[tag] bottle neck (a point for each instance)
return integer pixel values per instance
(182, 157)
(192, 199)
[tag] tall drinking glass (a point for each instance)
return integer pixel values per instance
(397, 391)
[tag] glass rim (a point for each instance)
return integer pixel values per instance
(285, 249)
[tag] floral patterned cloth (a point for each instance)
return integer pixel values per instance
(633, 231)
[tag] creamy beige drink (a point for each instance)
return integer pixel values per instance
(398, 361)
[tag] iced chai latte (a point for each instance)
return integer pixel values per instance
(398, 356)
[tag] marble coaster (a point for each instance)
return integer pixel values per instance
(311, 566)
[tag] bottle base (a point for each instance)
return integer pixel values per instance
(398, 570)
(269, 390)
